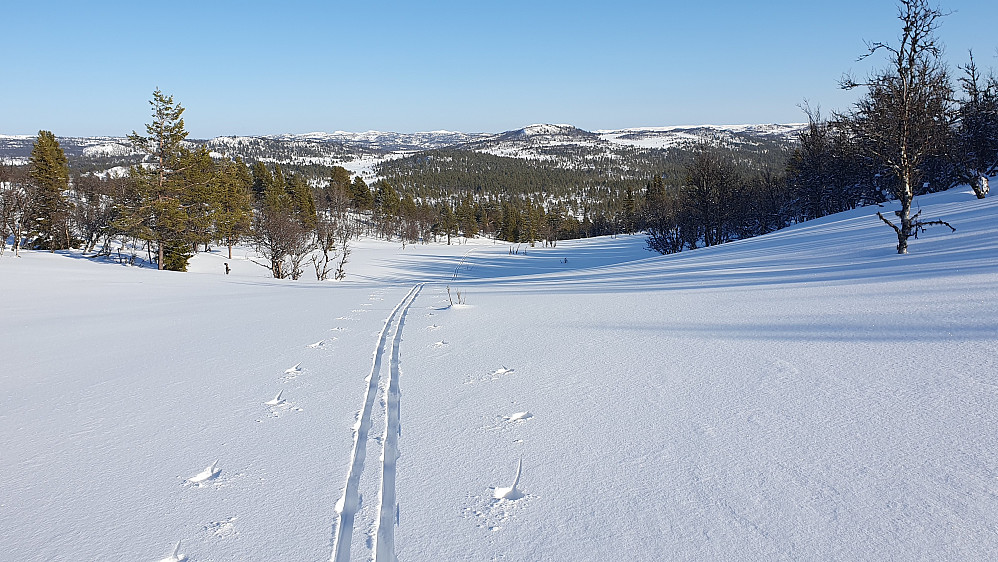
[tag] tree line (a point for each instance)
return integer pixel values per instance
(178, 201)
(914, 131)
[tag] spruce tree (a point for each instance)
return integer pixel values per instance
(49, 174)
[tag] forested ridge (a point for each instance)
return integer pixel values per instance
(917, 127)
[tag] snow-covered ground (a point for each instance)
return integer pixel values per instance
(803, 395)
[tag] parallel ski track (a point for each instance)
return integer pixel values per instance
(350, 501)
(384, 542)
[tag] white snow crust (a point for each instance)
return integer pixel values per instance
(805, 395)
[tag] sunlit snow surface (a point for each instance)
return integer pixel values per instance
(803, 395)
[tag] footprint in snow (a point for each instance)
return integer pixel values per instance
(439, 344)
(519, 416)
(433, 327)
(319, 343)
(209, 473)
(292, 373)
(344, 318)
(176, 556)
(222, 529)
(491, 377)
(502, 424)
(497, 374)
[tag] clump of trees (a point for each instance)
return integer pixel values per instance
(178, 201)
(912, 132)
(716, 201)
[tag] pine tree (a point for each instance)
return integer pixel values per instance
(386, 205)
(234, 204)
(198, 186)
(262, 180)
(158, 216)
(466, 221)
(339, 179)
(242, 173)
(163, 136)
(447, 225)
(301, 200)
(361, 194)
(280, 184)
(630, 211)
(49, 174)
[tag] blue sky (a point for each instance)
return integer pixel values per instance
(89, 68)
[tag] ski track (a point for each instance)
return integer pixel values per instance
(349, 503)
(384, 544)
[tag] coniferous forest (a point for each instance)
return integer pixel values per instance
(918, 127)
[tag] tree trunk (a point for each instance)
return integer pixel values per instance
(230, 251)
(907, 225)
(159, 263)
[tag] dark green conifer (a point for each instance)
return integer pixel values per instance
(49, 174)
(361, 194)
(157, 215)
(262, 180)
(233, 204)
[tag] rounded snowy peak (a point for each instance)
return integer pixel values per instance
(548, 132)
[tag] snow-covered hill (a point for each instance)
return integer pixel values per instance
(804, 395)
(668, 137)
(542, 142)
(562, 144)
(16, 149)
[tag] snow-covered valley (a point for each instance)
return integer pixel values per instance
(808, 394)
(361, 153)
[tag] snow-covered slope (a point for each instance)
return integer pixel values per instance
(668, 137)
(542, 142)
(804, 395)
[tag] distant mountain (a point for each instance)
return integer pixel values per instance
(668, 137)
(559, 145)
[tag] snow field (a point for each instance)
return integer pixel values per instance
(803, 395)
(142, 387)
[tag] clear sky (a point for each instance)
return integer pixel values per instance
(250, 67)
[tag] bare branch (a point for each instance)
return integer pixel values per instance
(889, 223)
